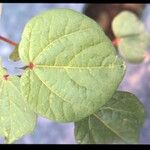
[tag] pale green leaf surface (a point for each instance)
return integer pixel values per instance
(134, 37)
(118, 121)
(76, 68)
(16, 119)
(15, 55)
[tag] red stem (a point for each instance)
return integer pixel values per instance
(8, 41)
(116, 41)
(31, 65)
(5, 77)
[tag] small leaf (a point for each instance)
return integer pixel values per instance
(70, 62)
(15, 55)
(16, 119)
(118, 121)
(134, 37)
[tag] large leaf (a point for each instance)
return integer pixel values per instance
(118, 121)
(15, 55)
(134, 38)
(16, 119)
(73, 67)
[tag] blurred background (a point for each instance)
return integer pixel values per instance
(137, 78)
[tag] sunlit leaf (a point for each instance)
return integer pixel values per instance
(16, 119)
(73, 68)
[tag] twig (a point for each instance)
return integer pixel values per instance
(8, 41)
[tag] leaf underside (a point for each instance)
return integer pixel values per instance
(74, 64)
(134, 37)
(16, 119)
(118, 121)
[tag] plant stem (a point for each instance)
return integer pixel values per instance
(116, 41)
(8, 41)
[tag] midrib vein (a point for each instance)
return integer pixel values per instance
(72, 67)
(109, 127)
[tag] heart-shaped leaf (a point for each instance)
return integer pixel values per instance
(134, 38)
(16, 119)
(118, 121)
(72, 66)
(15, 55)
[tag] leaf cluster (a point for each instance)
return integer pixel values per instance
(72, 74)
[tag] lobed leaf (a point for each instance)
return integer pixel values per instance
(134, 37)
(73, 68)
(118, 121)
(16, 119)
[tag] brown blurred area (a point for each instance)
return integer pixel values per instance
(104, 13)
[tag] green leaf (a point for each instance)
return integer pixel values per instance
(15, 55)
(134, 38)
(16, 119)
(73, 69)
(118, 121)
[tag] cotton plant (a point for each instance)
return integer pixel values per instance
(71, 74)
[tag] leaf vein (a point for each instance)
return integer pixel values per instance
(52, 90)
(112, 130)
(61, 37)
